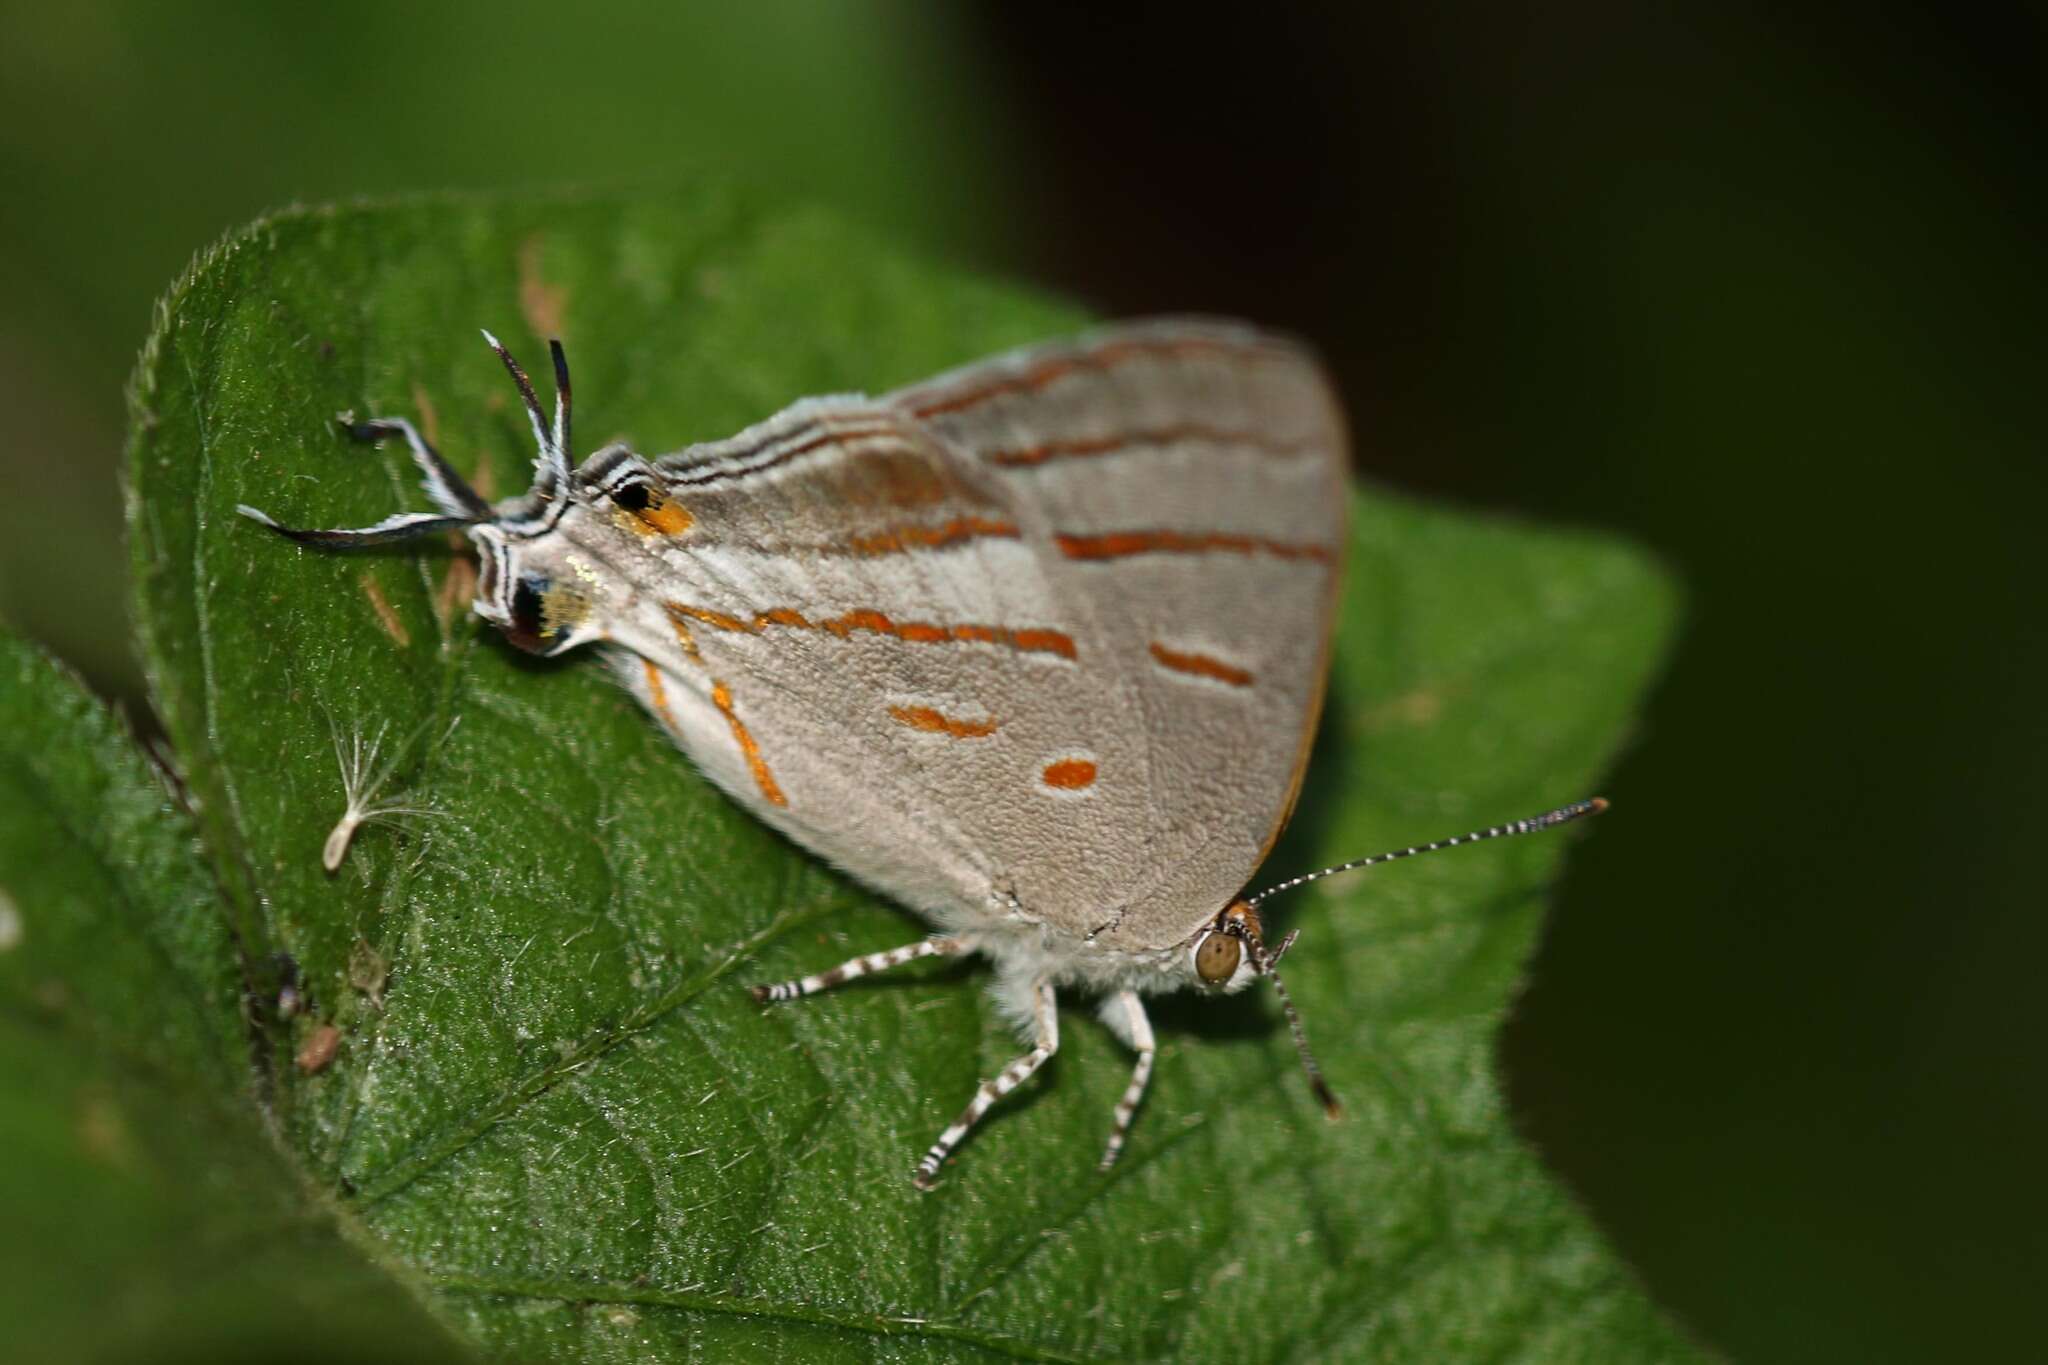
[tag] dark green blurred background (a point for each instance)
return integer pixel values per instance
(1761, 291)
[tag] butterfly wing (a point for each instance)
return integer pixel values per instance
(1043, 636)
(1191, 479)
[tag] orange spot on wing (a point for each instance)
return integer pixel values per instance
(668, 516)
(721, 697)
(1201, 665)
(1070, 774)
(935, 723)
(662, 516)
(1123, 544)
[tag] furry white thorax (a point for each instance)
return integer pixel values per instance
(1025, 953)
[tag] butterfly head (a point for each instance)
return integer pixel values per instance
(1219, 955)
(532, 586)
(1229, 952)
(541, 594)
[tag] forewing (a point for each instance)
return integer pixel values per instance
(1190, 477)
(854, 632)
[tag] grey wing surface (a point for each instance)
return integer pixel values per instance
(855, 634)
(1188, 479)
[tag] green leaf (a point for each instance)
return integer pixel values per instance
(148, 1214)
(554, 1102)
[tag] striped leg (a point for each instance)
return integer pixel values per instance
(1125, 1014)
(1047, 1018)
(860, 966)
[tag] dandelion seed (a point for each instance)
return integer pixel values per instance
(362, 780)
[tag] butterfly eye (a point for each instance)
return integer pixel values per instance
(633, 496)
(1217, 957)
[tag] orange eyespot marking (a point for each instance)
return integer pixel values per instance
(656, 514)
(936, 723)
(669, 517)
(386, 617)
(1069, 774)
(1200, 665)
(1123, 544)
(657, 695)
(721, 697)
(902, 539)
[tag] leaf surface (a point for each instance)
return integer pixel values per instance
(148, 1214)
(553, 1101)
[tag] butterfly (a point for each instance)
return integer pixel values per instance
(1036, 647)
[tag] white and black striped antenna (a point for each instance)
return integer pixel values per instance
(1562, 815)
(1265, 963)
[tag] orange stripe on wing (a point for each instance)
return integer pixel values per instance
(866, 620)
(681, 615)
(1037, 641)
(1082, 448)
(937, 723)
(721, 697)
(1101, 358)
(1200, 665)
(657, 696)
(902, 539)
(1123, 544)
(683, 635)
